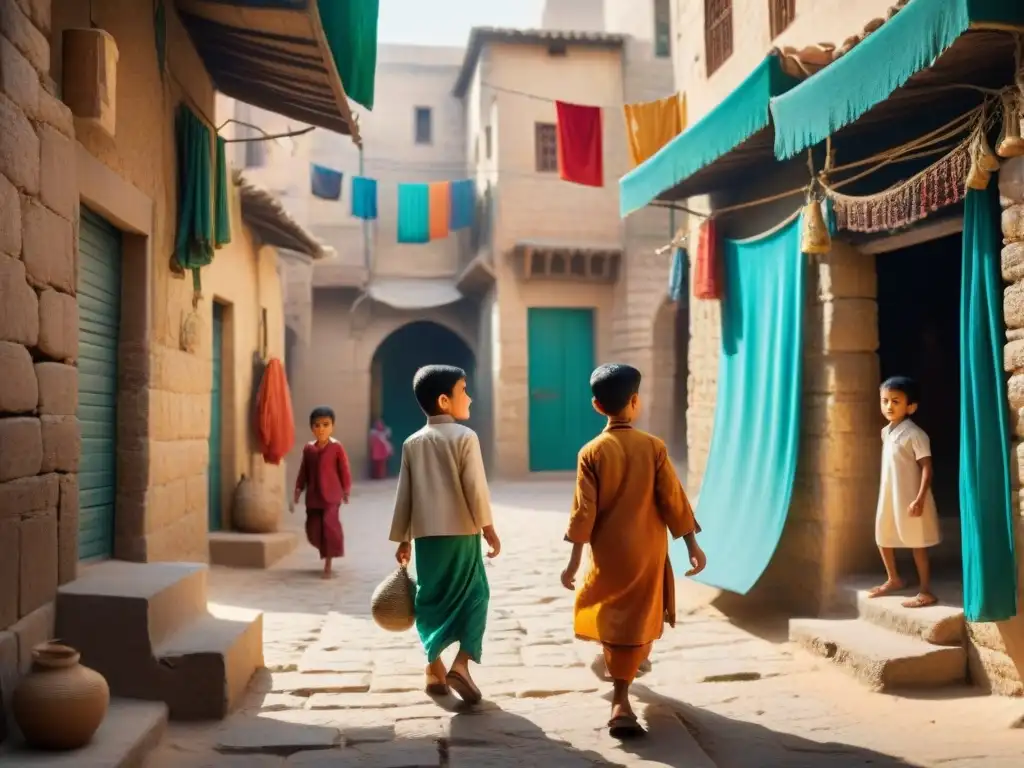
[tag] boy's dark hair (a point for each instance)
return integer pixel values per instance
(903, 384)
(432, 381)
(321, 412)
(612, 385)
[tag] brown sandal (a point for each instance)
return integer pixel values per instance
(465, 689)
(625, 727)
(921, 600)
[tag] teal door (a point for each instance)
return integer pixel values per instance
(99, 318)
(213, 477)
(561, 359)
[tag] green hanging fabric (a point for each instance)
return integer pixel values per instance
(194, 244)
(986, 509)
(351, 32)
(222, 205)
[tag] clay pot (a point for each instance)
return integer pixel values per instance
(59, 704)
(253, 510)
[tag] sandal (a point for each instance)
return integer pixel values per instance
(466, 690)
(625, 727)
(886, 589)
(921, 600)
(435, 687)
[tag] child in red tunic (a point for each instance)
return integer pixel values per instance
(327, 481)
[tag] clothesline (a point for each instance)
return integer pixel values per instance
(551, 100)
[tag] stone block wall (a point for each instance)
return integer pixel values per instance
(39, 432)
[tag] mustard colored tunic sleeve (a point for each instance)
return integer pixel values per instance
(673, 506)
(584, 503)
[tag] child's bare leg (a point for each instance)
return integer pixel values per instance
(925, 596)
(327, 567)
(436, 674)
(893, 582)
(461, 681)
(620, 700)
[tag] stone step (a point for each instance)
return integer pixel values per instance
(148, 630)
(881, 658)
(251, 550)
(211, 662)
(130, 731)
(942, 624)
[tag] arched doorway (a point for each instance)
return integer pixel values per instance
(395, 362)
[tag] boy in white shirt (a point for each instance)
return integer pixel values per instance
(442, 509)
(906, 517)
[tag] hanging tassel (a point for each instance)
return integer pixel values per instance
(814, 239)
(1010, 142)
(977, 177)
(986, 159)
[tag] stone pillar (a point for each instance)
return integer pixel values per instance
(39, 432)
(996, 652)
(830, 528)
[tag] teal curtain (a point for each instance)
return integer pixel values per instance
(194, 244)
(748, 481)
(222, 204)
(350, 27)
(986, 508)
(413, 213)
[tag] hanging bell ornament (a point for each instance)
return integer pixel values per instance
(814, 239)
(1010, 142)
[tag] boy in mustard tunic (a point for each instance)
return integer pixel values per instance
(628, 499)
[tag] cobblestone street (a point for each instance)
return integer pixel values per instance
(340, 692)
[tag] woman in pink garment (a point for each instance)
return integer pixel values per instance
(380, 449)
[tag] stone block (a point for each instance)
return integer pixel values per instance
(1013, 305)
(18, 390)
(58, 389)
(1012, 261)
(19, 305)
(847, 325)
(20, 498)
(17, 27)
(39, 11)
(58, 325)
(38, 561)
(18, 79)
(67, 529)
(9, 567)
(62, 443)
(48, 246)
(831, 414)
(1013, 356)
(848, 373)
(10, 219)
(19, 151)
(846, 273)
(33, 629)
(1015, 390)
(56, 114)
(21, 448)
(58, 182)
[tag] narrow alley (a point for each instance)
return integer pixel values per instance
(339, 692)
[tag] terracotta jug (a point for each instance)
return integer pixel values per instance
(252, 509)
(59, 704)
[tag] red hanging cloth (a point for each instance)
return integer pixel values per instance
(580, 151)
(275, 425)
(707, 282)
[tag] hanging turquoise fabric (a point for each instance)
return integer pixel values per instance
(221, 201)
(986, 508)
(364, 198)
(748, 482)
(325, 183)
(194, 243)
(413, 213)
(677, 277)
(351, 31)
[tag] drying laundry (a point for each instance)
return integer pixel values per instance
(440, 209)
(651, 125)
(364, 198)
(580, 149)
(325, 183)
(413, 213)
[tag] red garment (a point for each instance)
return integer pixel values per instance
(580, 150)
(324, 475)
(707, 281)
(324, 531)
(275, 426)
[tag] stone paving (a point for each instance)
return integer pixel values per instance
(340, 692)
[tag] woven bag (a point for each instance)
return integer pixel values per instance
(393, 604)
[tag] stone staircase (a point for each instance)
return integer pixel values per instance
(889, 647)
(148, 629)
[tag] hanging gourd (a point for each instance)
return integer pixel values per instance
(1010, 142)
(814, 239)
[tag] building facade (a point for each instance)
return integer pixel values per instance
(114, 423)
(854, 333)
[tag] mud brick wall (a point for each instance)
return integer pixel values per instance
(39, 432)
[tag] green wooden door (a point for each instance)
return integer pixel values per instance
(213, 477)
(99, 318)
(561, 359)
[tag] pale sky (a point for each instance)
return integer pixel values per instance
(447, 22)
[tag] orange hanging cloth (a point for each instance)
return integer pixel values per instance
(707, 282)
(275, 425)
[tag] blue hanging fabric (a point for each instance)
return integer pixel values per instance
(463, 205)
(364, 198)
(414, 213)
(987, 511)
(677, 277)
(325, 183)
